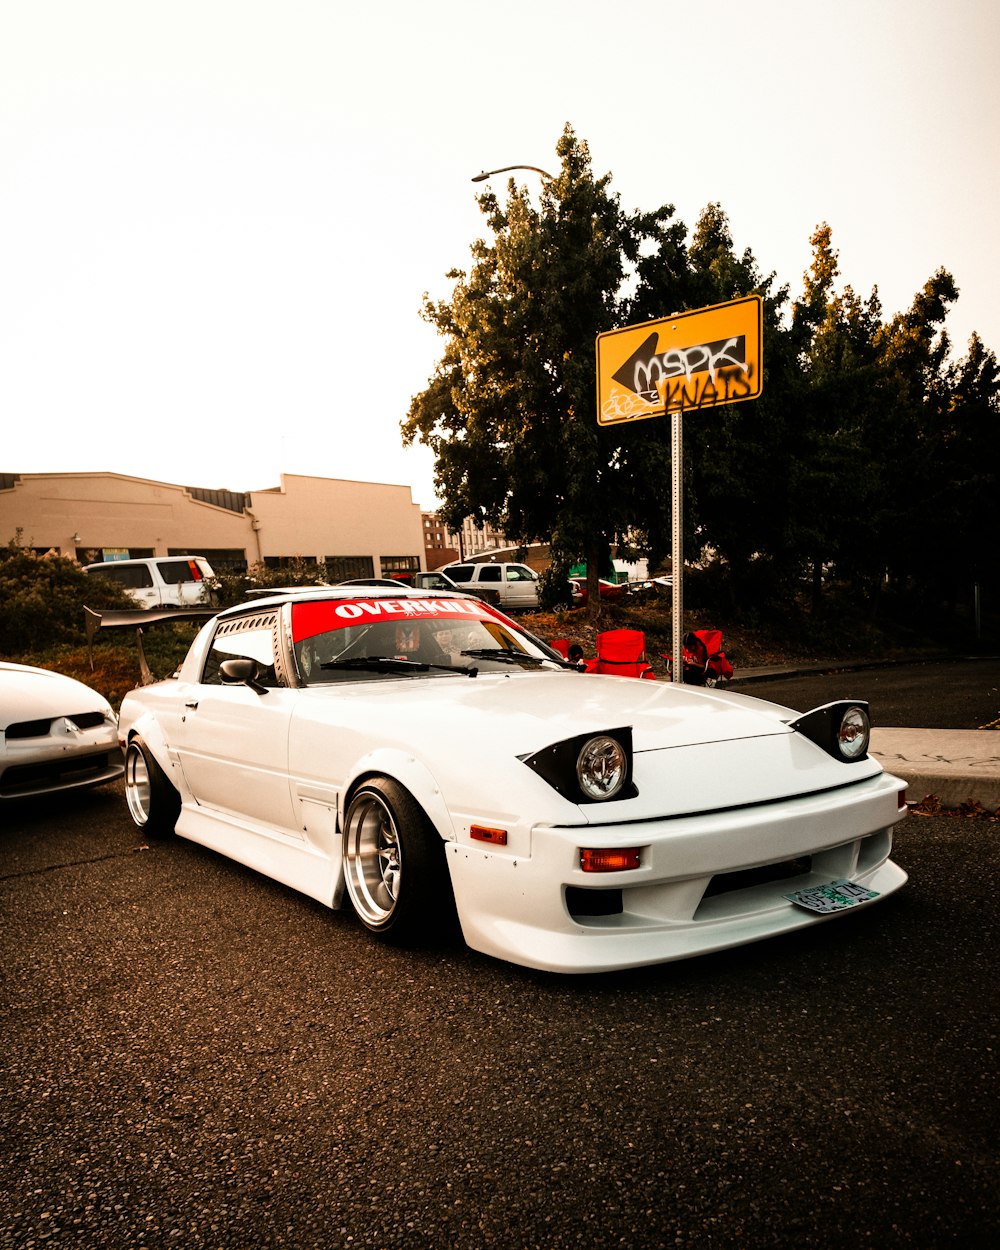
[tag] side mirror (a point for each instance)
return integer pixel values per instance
(241, 671)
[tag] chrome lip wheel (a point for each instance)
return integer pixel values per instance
(137, 790)
(372, 860)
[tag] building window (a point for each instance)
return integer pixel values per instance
(343, 568)
(222, 559)
(287, 562)
(399, 564)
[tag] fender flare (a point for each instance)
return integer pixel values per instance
(147, 727)
(410, 773)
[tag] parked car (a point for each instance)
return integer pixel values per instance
(611, 592)
(433, 579)
(513, 586)
(370, 581)
(160, 581)
(420, 581)
(265, 592)
(55, 734)
(412, 752)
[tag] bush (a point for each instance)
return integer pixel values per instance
(553, 587)
(233, 587)
(43, 599)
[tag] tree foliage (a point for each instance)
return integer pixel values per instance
(510, 411)
(43, 599)
(869, 460)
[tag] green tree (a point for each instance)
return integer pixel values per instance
(510, 412)
(970, 475)
(836, 478)
(911, 409)
(858, 461)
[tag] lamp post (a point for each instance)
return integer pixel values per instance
(507, 168)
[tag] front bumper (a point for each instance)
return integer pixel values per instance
(682, 899)
(47, 766)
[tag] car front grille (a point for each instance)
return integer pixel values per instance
(42, 727)
(27, 778)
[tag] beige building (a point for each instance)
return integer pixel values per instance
(358, 529)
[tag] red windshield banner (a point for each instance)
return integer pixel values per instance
(322, 616)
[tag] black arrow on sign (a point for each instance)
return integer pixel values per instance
(646, 367)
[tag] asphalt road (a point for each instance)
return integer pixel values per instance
(196, 1057)
(956, 694)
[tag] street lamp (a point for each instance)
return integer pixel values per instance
(507, 168)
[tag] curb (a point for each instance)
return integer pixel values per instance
(817, 668)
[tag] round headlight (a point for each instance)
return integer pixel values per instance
(853, 733)
(601, 767)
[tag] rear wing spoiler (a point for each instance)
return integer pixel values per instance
(136, 619)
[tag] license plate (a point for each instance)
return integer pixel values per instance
(836, 896)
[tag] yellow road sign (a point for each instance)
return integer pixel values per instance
(695, 360)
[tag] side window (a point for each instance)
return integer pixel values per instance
(174, 572)
(130, 576)
(491, 573)
(251, 637)
(518, 573)
(460, 573)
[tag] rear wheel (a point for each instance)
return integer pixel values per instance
(153, 803)
(394, 863)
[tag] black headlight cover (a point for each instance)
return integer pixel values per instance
(822, 726)
(556, 765)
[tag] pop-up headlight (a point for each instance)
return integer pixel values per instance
(590, 768)
(842, 729)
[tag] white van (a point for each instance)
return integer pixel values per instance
(161, 581)
(513, 586)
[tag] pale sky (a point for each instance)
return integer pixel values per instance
(218, 217)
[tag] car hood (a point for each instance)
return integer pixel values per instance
(532, 710)
(33, 693)
(693, 748)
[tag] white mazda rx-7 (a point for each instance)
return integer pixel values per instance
(425, 756)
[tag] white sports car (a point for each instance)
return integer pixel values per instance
(55, 734)
(424, 754)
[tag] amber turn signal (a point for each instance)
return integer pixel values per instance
(480, 833)
(609, 859)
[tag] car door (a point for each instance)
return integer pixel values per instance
(183, 582)
(489, 584)
(521, 587)
(232, 740)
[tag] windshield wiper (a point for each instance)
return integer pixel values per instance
(509, 655)
(375, 663)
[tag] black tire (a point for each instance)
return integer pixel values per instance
(153, 803)
(394, 865)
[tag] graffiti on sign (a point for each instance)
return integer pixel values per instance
(694, 360)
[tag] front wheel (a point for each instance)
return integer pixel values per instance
(153, 803)
(393, 863)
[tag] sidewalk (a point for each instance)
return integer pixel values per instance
(957, 765)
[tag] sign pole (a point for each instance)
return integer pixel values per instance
(677, 548)
(695, 360)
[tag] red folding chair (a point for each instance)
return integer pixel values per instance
(622, 652)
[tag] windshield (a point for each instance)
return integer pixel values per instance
(381, 639)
